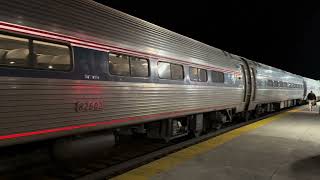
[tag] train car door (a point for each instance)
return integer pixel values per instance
(247, 83)
(254, 83)
(304, 89)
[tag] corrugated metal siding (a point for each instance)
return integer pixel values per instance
(92, 21)
(276, 94)
(29, 104)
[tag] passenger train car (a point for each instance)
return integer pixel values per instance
(76, 67)
(311, 85)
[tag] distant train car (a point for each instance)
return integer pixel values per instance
(69, 68)
(275, 85)
(311, 85)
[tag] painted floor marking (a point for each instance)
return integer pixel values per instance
(170, 161)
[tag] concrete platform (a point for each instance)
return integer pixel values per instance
(283, 147)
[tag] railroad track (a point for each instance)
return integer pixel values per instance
(123, 157)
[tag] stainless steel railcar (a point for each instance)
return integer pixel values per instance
(73, 67)
(311, 85)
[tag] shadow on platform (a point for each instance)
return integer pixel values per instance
(307, 166)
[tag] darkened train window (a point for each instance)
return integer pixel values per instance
(14, 51)
(164, 70)
(51, 56)
(202, 75)
(176, 72)
(285, 84)
(193, 74)
(275, 84)
(270, 83)
(119, 64)
(217, 77)
(139, 67)
(91, 62)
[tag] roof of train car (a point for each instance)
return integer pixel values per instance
(92, 21)
(264, 66)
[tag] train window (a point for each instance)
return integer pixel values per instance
(280, 84)
(270, 83)
(275, 84)
(51, 56)
(193, 74)
(139, 67)
(202, 75)
(285, 84)
(217, 77)
(14, 51)
(176, 72)
(164, 70)
(119, 64)
(124, 65)
(170, 71)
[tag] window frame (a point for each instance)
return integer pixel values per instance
(183, 75)
(32, 56)
(198, 74)
(190, 72)
(109, 66)
(148, 68)
(158, 70)
(130, 76)
(270, 83)
(170, 66)
(218, 73)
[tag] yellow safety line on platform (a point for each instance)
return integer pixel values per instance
(149, 170)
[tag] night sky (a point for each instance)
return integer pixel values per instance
(285, 35)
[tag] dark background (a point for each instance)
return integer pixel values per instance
(285, 35)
